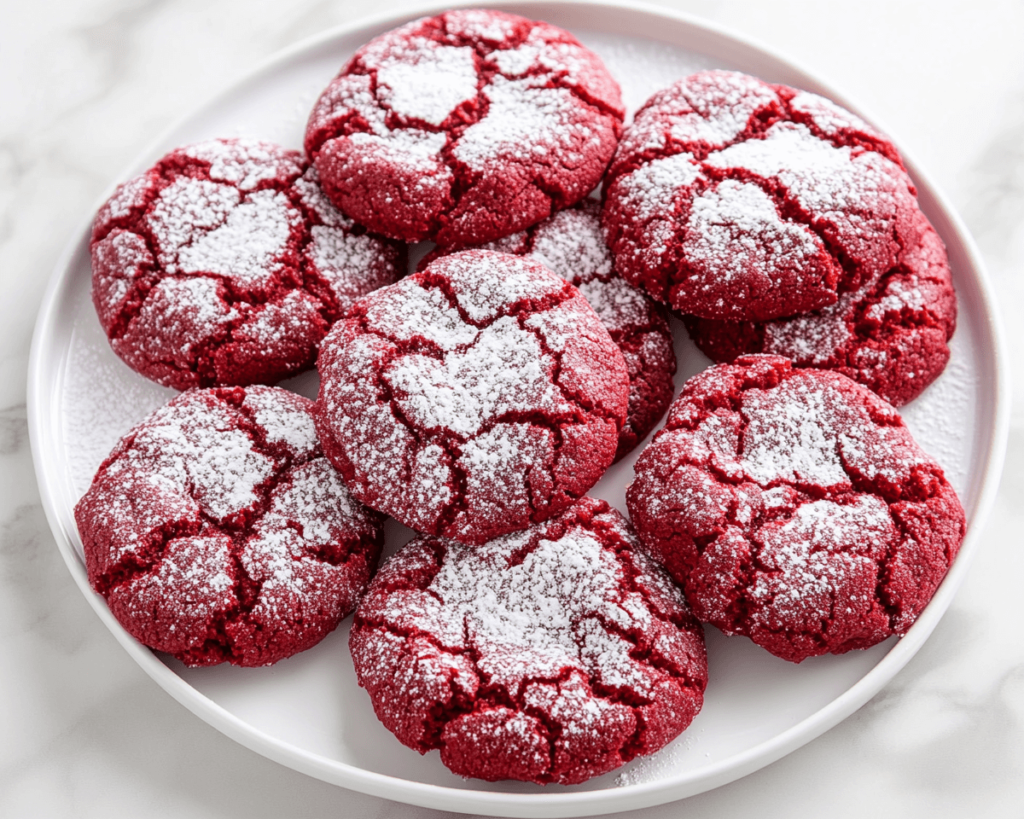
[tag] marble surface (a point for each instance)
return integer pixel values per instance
(85, 86)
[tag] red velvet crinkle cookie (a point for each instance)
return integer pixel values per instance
(570, 244)
(890, 335)
(465, 127)
(550, 655)
(217, 531)
(729, 198)
(795, 507)
(472, 399)
(224, 264)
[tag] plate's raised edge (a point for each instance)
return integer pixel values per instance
(41, 420)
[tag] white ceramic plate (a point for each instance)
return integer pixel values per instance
(307, 712)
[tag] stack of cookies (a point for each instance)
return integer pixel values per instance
(528, 631)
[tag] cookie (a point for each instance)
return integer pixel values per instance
(550, 655)
(218, 532)
(224, 264)
(795, 508)
(472, 399)
(465, 127)
(732, 199)
(570, 244)
(890, 335)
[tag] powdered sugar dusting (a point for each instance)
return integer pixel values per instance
(480, 23)
(185, 307)
(247, 244)
(848, 543)
(444, 113)
(890, 334)
(128, 197)
(283, 419)
(771, 219)
(621, 307)
(426, 81)
(828, 117)
(554, 619)
(501, 372)
(409, 310)
(184, 206)
(524, 118)
(525, 627)
(571, 245)
(648, 190)
(274, 263)
(858, 192)
(472, 362)
(128, 257)
(487, 285)
(501, 467)
(192, 444)
(312, 196)
(791, 435)
(352, 264)
(720, 110)
(812, 338)
(736, 227)
(245, 163)
(283, 550)
(802, 580)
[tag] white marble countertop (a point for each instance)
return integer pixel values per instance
(85, 86)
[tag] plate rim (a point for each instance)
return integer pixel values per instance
(42, 390)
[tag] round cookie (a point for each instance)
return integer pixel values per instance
(795, 508)
(217, 530)
(570, 244)
(550, 655)
(889, 335)
(732, 199)
(465, 127)
(224, 264)
(473, 398)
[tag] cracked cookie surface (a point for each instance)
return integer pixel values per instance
(473, 398)
(218, 531)
(225, 264)
(570, 244)
(550, 655)
(891, 335)
(795, 507)
(465, 127)
(732, 199)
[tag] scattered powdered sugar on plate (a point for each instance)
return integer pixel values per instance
(94, 418)
(662, 764)
(940, 417)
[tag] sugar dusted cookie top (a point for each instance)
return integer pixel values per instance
(472, 399)
(549, 655)
(729, 198)
(570, 244)
(225, 264)
(218, 532)
(795, 507)
(465, 127)
(890, 334)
